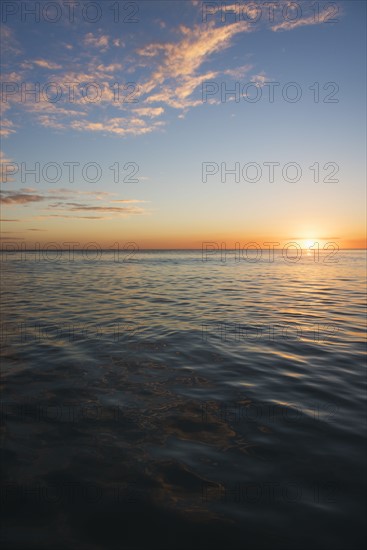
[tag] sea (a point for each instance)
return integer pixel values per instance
(175, 399)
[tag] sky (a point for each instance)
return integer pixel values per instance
(173, 123)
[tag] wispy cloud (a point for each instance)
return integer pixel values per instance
(177, 63)
(119, 126)
(289, 25)
(327, 16)
(7, 128)
(15, 197)
(128, 201)
(8, 42)
(239, 72)
(3, 162)
(46, 64)
(119, 209)
(68, 217)
(99, 195)
(26, 196)
(101, 42)
(112, 68)
(150, 112)
(173, 72)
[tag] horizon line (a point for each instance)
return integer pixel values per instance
(160, 249)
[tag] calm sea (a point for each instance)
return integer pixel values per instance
(156, 400)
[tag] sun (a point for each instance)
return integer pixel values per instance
(307, 243)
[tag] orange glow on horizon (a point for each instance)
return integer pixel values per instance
(177, 242)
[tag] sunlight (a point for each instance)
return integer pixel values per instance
(307, 243)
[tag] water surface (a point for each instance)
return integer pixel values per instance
(164, 401)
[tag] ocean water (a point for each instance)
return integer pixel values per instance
(157, 400)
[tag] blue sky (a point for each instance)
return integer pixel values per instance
(169, 54)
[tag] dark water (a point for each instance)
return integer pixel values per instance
(166, 402)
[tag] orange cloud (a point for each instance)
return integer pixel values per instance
(46, 64)
(100, 42)
(14, 197)
(119, 126)
(176, 75)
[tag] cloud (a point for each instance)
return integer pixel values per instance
(150, 112)
(4, 161)
(51, 122)
(61, 190)
(26, 196)
(118, 126)
(177, 64)
(100, 42)
(46, 64)
(7, 127)
(117, 42)
(186, 56)
(128, 201)
(3, 158)
(28, 190)
(53, 109)
(260, 79)
(75, 206)
(167, 96)
(173, 71)
(113, 67)
(15, 197)
(98, 195)
(15, 76)
(8, 41)
(327, 16)
(238, 72)
(71, 217)
(121, 210)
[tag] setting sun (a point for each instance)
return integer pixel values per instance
(307, 243)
